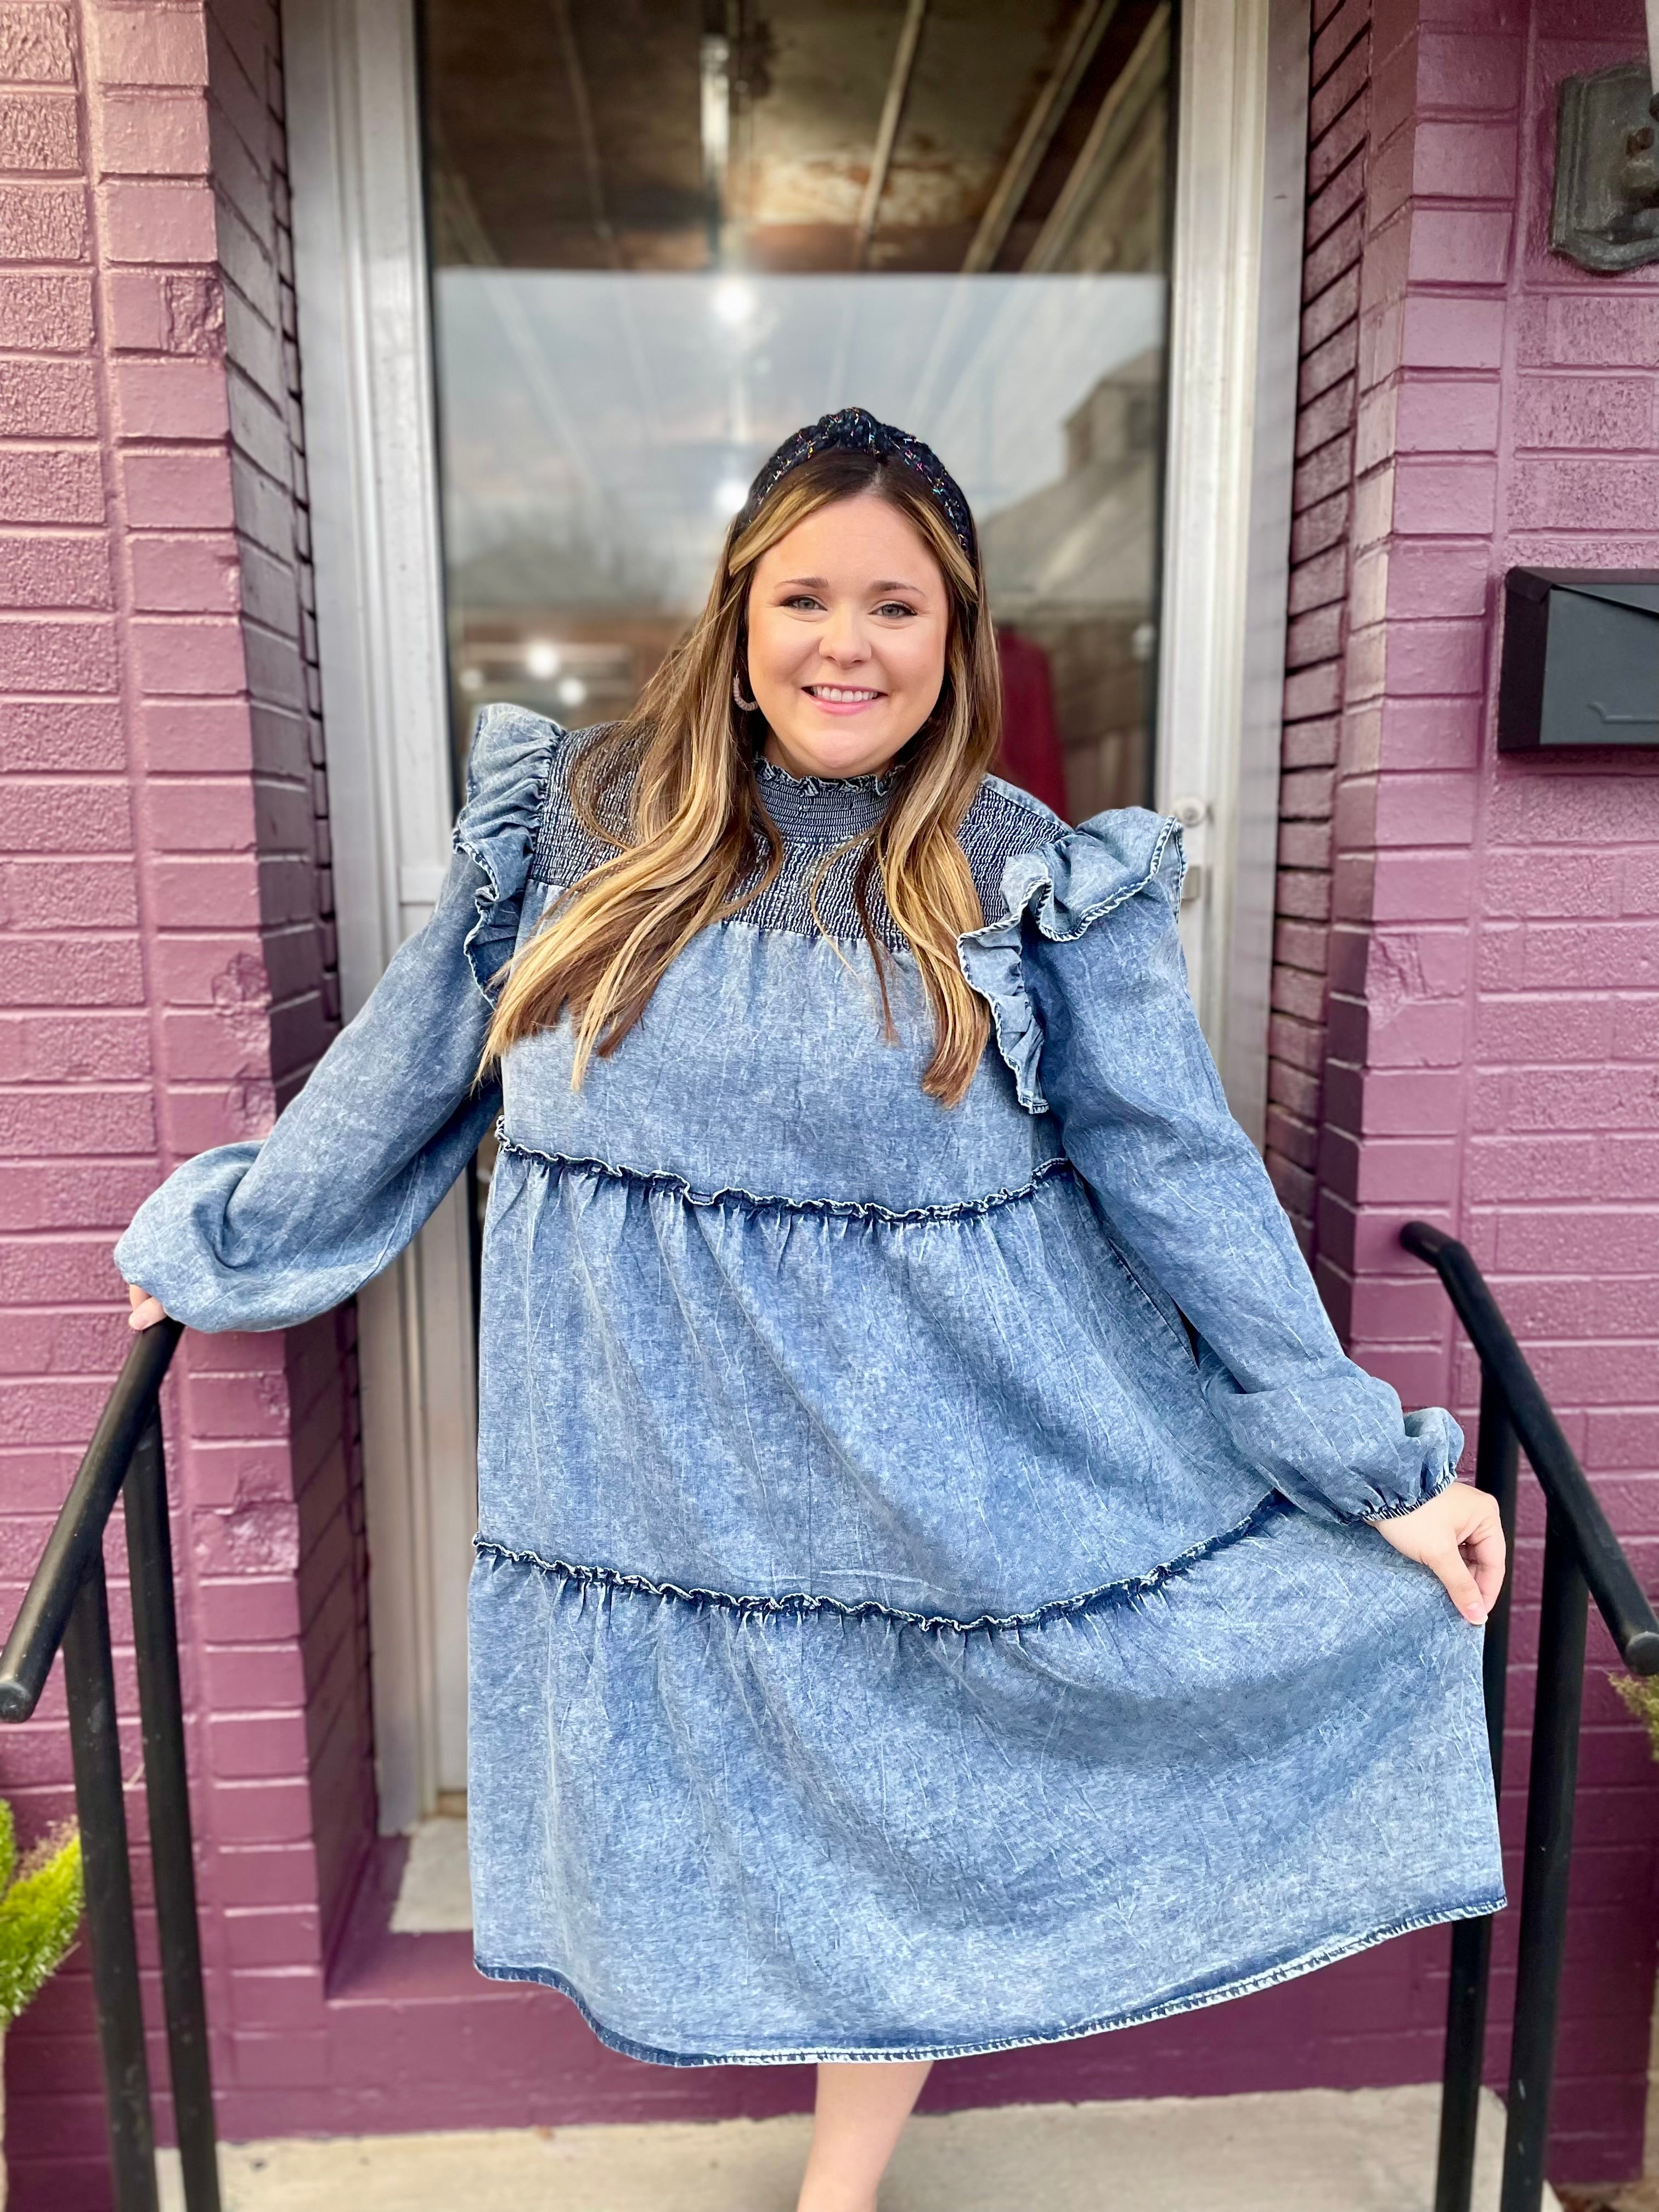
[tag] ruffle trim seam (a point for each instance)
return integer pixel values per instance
(1265, 1978)
(1106, 1596)
(844, 1209)
(1038, 898)
(1026, 1089)
(1088, 915)
(492, 893)
(817, 935)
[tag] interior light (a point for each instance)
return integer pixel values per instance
(571, 691)
(734, 301)
(541, 658)
(730, 494)
(472, 680)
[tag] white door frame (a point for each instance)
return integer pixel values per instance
(1235, 326)
(359, 266)
(360, 273)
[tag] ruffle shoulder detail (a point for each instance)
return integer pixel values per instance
(1065, 888)
(509, 772)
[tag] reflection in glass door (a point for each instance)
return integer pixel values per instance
(665, 234)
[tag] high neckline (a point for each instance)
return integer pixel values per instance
(830, 805)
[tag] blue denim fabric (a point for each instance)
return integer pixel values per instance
(889, 1637)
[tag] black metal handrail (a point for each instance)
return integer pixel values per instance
(66, 1608)
(1583, 1558)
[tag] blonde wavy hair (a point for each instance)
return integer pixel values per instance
(673, 789)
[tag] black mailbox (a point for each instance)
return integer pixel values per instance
(1581, 660)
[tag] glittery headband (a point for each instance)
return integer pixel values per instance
(853, 430)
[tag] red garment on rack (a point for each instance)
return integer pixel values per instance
(1031, 756)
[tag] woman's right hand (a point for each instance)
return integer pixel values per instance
(146, 1310)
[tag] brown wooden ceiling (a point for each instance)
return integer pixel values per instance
(567, 133)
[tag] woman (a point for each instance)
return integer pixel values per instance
(939, 1585)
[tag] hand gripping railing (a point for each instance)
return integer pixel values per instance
(1582, 1559)
(67, 1605)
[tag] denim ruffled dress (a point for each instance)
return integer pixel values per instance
(922, 1601)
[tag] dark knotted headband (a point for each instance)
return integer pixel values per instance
(853, 430)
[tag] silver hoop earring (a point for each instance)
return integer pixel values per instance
(748, 706)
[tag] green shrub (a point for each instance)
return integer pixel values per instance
(1640, 1693)
(41, 1900)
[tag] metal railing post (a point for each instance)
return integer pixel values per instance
(1563, 1621)
(94, 1742)
(66, 1608)
(155, 1639)
(1497, 1470)
(1583, 1558)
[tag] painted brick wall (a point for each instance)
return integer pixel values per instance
(164, 961)
(1493, 962)
(278, 605)
(1339, 111)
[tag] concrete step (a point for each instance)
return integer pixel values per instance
(1305, 2150)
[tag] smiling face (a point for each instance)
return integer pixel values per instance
(849, 619)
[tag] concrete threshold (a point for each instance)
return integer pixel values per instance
(1304, 2150)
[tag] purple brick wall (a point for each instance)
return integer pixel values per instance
(277, 604)
(1338, 114)
(1487, 1004)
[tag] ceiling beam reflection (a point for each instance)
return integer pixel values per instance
(887, 131)
(1048, 112)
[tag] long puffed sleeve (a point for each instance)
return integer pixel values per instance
(261, 1236)
(1087, 985)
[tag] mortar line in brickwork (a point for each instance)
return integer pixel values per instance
(1324, 68)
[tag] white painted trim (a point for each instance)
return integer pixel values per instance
(354, 156)
(1236, 272)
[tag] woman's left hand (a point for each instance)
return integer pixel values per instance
(1459, 1537)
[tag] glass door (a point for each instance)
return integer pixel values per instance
(654, 236)
(664, 234)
